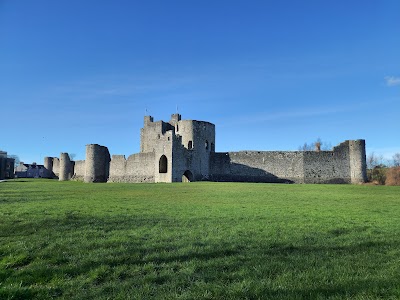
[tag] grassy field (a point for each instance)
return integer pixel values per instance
(198, 241)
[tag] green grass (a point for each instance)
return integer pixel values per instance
(198, 241)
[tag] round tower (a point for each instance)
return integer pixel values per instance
(48, 163)
(97, 163)
(198, 137)
(65, 167)
(358, 164)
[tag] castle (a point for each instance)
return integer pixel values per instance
(184, 151)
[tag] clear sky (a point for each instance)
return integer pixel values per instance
(270, 75)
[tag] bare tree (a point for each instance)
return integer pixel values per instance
(396, 160)
(374, 160)
(376, 169)
(306, 147)
(371, 160)
(317, 146)
(16, 159)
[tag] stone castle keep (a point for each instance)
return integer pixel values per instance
(184, 150)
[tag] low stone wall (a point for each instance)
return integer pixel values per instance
(79, 170)
(132, 179)
(137, 168)
(291, 166)
(257, 166)
(56, 166)
(327, 166)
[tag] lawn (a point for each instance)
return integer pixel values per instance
(200, 240)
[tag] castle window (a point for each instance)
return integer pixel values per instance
(206, 145)
(177, 127)
(163, 164)
(190, 145)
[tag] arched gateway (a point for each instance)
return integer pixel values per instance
(163, 164)
(187, 176)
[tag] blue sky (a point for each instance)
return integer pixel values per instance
(270, 75)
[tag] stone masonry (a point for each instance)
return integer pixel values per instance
(184, 150)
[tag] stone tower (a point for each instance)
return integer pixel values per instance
(181, 148)
(192, 151)
(358, 168)
(97, 165)
(48, 164)
(65, 167)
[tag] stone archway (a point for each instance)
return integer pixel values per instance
(187, 176)
(163, 164)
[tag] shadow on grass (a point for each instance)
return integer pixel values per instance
(356, 247)
(359, 289)
(15, 181)
(70, 260)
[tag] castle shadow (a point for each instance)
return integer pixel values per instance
(243, 173)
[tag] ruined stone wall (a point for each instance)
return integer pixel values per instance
(97, 164)
(137, 168)
(184, 150)
(327, 166)
(257, 166)
(344, 164)
(79, 170)
(56, 166)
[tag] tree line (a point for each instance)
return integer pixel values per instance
(383, 172)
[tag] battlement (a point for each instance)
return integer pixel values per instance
(147, 120)
(175, 118)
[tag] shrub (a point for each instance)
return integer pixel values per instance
(393, 176)
(377, 175)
